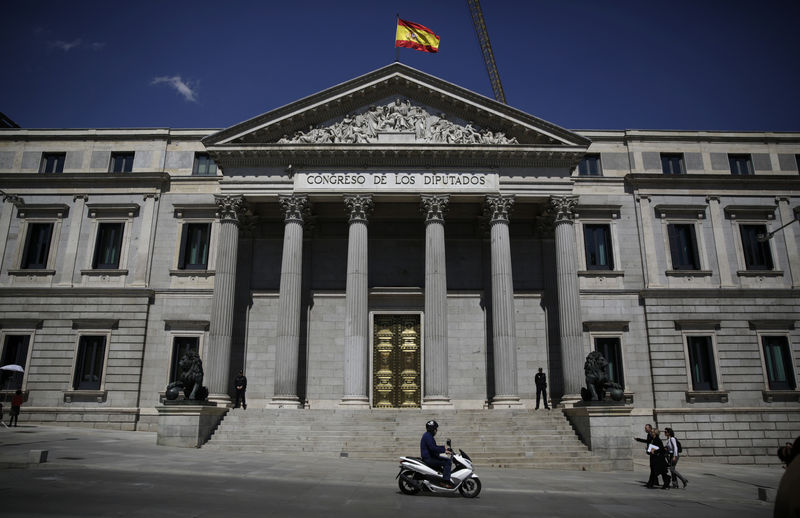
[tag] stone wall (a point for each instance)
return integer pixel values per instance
(735, 436)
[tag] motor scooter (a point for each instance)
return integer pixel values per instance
(416, 476)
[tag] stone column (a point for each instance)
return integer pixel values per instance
(717, 226)
(569, 304)
(218, 353)
(67, 270)
(295, 210)
(6, 214)
(504, 324)
(356, 326)
(436, 382)
(648, 236)
(144, 248)
(789, 233)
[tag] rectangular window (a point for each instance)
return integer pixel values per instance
(121, 162)
(597, 242)
(611, 349)
(180, 346)
(701, 363)
(757, 254)
(37, 246)
(672, 163)
(590, 166)
(15, 352)
(52, 163)
(108, 246)
(89, 363)
(778, 361)
(740, 164)
(683, 246)
(204, 165)
(194, 246)
(797, 159)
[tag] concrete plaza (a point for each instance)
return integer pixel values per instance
(112, 473)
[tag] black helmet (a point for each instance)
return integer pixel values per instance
(432, 426)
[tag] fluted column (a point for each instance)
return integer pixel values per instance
(295, 210)
(356, 327)
(504, 325)
(436, 381)
(218, 353)
(562, 209)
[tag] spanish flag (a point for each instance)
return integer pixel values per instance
(415, 36)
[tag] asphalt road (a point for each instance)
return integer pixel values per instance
(103, 473)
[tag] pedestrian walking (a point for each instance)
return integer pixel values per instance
(240, 384)
(673, 453)
(658, 460)
(16, 405)
(541, 388)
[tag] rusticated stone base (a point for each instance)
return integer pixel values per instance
(187, 425)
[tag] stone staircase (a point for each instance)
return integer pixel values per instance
(498, 438)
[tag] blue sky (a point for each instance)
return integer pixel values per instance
(698, 65)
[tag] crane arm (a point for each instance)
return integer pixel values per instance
(486, 49)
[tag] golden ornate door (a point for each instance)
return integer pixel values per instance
(396, 361)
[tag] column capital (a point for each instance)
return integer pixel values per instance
(296, 208)
(359, 206)
(498, 207)
(230, 208)
(712, 197)
(435, 207)
(156, 196)
(84, 197)
(562, 208)
(17, 201)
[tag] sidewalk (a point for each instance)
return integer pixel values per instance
(76, 448)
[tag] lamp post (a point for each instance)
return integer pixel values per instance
(763, 238)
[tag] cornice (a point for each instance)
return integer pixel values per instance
(84, 181)
(116, 134)
(362, 155)
(76, 292)
(668, 293)
(713, 182)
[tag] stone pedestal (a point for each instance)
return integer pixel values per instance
(606, 429)
(187, 424)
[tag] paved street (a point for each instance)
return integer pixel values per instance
(107, 473)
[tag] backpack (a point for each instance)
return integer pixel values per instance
(680, 448)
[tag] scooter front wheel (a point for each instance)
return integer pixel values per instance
(405, 486)
(470, 488)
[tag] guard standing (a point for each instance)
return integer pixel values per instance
(240, 383)
(541, 388)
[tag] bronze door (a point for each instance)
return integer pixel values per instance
(396, 361)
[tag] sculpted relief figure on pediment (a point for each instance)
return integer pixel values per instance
(398, 116)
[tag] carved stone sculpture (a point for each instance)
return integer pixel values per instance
(190, 378)
(597, 379)
(397, 116)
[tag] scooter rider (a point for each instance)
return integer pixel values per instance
(430, 452)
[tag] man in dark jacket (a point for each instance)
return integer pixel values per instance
(430, 452)
(541, 388)
(240, 384)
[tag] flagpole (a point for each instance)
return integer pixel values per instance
(396, 48)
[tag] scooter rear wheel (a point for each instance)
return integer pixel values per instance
(405, 487)
(470, 488)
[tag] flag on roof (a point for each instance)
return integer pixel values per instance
(415, 36)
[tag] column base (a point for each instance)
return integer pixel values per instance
(354, 402)
(437, 402)
(223, 400)
(570, 400)
(506, 402)
(285, 402)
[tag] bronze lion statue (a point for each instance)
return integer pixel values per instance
(190, 377)
(597, 379)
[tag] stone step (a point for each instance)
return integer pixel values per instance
(513, 438)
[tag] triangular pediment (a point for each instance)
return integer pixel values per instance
(395, 107)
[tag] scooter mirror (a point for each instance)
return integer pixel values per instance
(448, 443)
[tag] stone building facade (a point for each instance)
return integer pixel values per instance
(398, 241)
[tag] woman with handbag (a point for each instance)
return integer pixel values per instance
(672, 457)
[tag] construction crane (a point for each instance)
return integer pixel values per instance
(486, 49)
